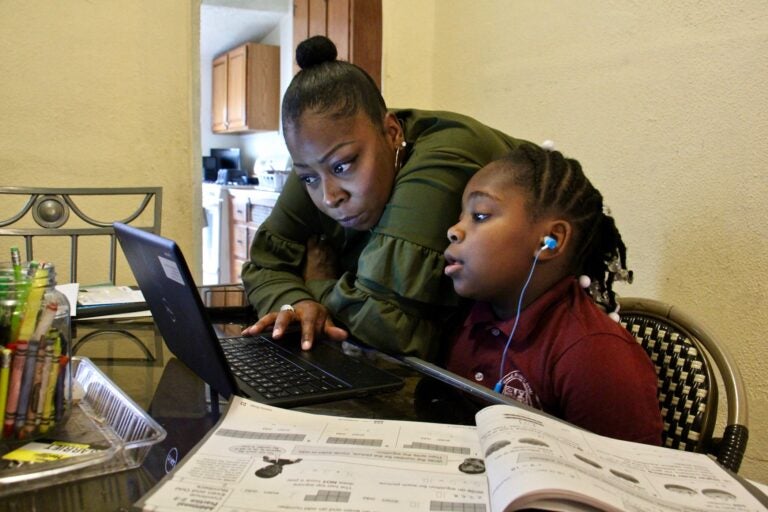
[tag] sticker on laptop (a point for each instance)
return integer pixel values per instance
(171, 270)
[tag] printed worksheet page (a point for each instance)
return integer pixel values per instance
(263, 458)
(535, 461)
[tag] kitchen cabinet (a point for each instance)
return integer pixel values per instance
(249, 207)
(246, 89)
(353, 25)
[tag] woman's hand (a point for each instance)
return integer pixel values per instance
(313, 316)
(321, 260)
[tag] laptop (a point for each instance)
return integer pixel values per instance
(237, 365)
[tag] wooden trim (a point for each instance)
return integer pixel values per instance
(365, 44)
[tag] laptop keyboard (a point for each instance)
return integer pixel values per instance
(273, 375)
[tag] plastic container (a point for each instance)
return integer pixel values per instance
(273, 180)
(35, 333)
(106, 432)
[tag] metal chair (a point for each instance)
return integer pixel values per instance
(31, 214)
(690, 365)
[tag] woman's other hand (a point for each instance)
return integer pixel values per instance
(313, 316)
(321, 260)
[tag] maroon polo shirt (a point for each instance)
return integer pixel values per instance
(567, 358)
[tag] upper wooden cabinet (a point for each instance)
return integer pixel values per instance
(246, 89)
(353, 25)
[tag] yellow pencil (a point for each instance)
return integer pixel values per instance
(34, 300)
(5, 374)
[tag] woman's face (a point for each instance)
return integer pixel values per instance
(347, 165)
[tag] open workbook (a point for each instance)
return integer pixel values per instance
(261, 458)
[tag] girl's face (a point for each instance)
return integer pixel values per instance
(347, 165)
(492, 246)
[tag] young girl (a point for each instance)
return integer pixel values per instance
(535, 248)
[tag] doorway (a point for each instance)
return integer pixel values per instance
(226, 24)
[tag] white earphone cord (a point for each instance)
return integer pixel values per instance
(499, 385)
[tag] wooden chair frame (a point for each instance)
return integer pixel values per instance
(728, 449)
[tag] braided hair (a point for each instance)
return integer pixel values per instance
(327, 85)
(556, 185)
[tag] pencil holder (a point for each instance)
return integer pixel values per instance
(35, 332)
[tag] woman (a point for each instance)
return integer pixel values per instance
(372, 194)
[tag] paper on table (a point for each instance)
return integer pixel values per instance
(70, 290)
(99, 295)
(761, 486)
(111, 298)
(117, 316)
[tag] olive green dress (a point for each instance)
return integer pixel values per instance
(392, 293)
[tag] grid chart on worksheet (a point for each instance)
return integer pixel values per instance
(455, 506)
(271, 436)
(325, 495)
(462, 450)
(358, 442)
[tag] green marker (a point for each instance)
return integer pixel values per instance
(16, 262)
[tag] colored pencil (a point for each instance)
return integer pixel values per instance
(5, 374)
(27, 380)
(14, 386)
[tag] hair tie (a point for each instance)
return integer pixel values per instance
(614, 315)
(620, 273)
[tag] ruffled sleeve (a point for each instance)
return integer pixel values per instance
(274, 281)
(273, 275)
(399, 300)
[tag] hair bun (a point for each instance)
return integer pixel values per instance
(314, 51)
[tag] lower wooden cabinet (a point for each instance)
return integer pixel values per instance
(249, 207)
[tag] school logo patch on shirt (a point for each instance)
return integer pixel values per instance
(518, 387)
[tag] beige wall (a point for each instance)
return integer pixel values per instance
(103, 94)
(664, 103)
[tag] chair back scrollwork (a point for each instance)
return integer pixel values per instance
(31, 212)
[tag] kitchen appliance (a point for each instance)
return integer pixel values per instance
(221, 159)
(215, 234)
(228, 158)
(231, 177)
(273, 180)
(210, 168)
(273, 172)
